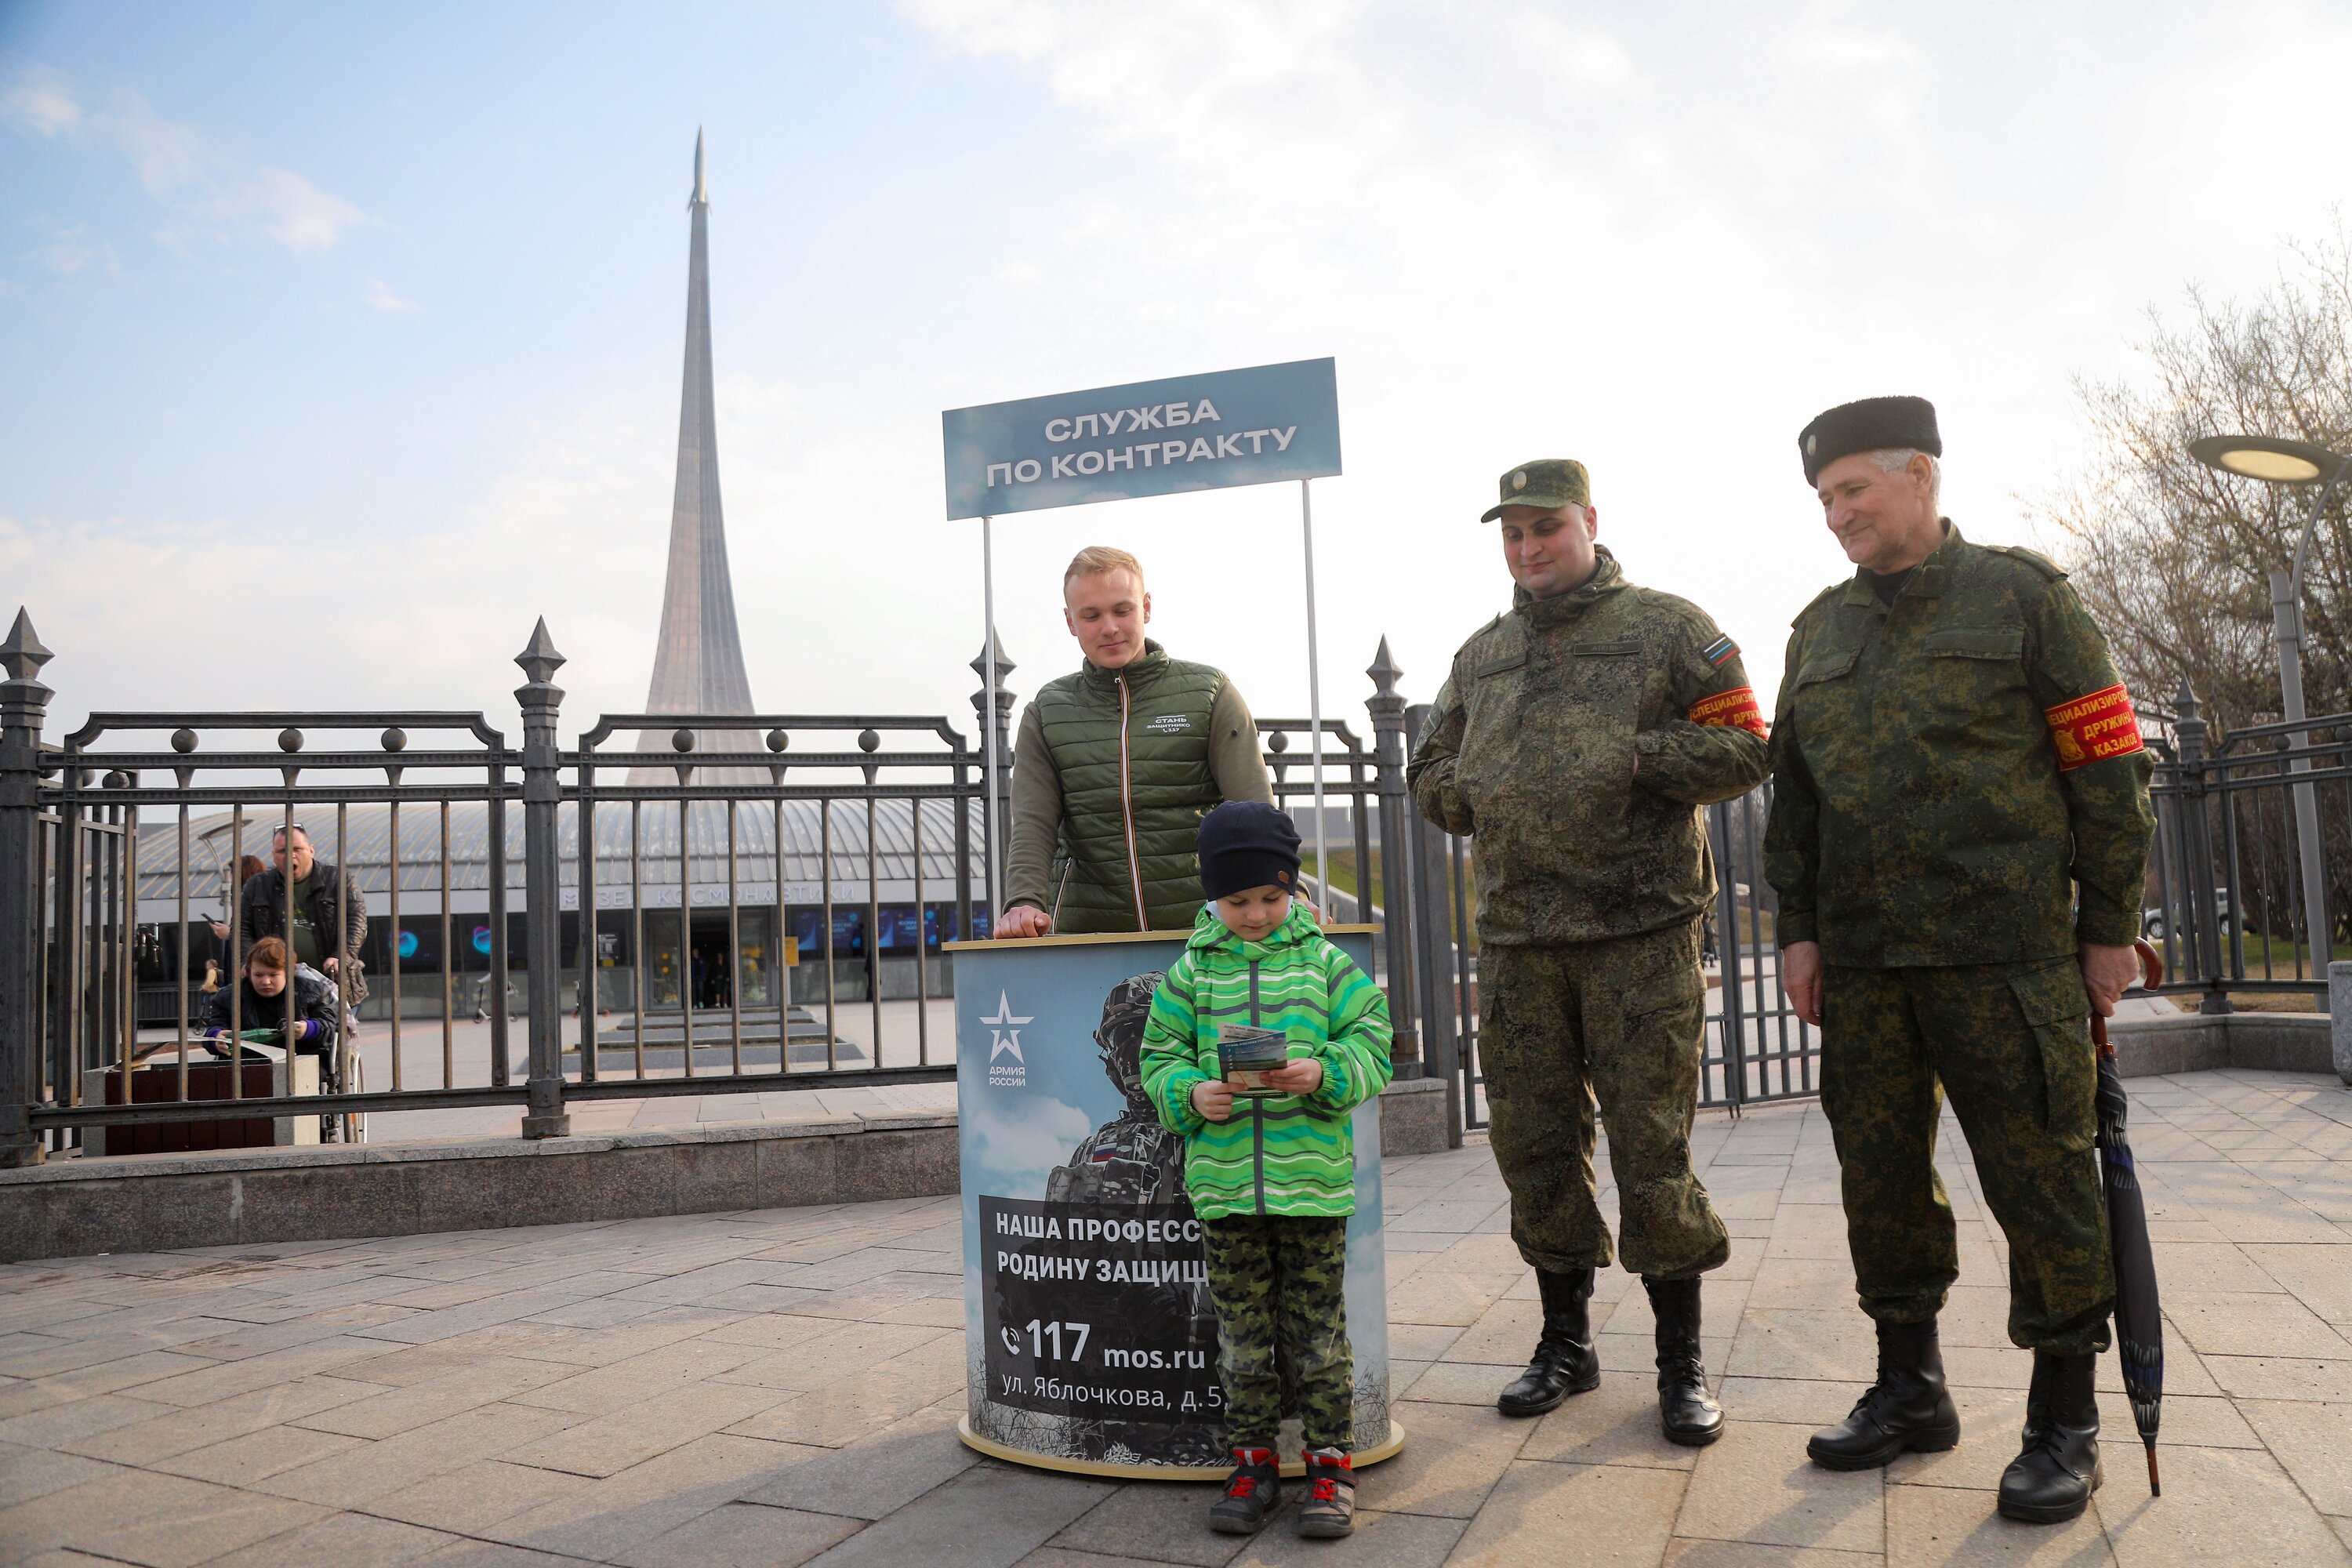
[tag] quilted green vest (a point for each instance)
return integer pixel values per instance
(1131, 747)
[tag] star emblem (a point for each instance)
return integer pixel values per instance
(1003, 1038)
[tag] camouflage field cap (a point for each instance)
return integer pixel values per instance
(1547, 483)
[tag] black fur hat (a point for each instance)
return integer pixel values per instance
(1873, 425)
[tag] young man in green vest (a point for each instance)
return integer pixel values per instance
(1115, 765)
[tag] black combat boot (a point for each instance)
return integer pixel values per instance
(1253, 1492)
(1690, 1416)
(2057, 1468)
(1907, 1408)
(1564, 1362)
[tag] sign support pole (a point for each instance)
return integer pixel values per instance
(1315, 712)
(988, 718)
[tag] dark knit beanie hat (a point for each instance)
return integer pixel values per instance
(1247, 844)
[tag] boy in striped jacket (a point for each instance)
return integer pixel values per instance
(1272, 1176)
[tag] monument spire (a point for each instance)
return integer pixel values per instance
(698, 660)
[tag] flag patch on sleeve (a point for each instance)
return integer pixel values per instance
(1737, 706)
(1719, 652)
(2092, 729)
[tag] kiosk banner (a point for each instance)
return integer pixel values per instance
(1091, 1341)
(1205, 432)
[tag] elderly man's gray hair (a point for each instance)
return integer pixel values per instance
(1894, 459)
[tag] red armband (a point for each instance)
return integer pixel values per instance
(2092, 729)
(1737, 706)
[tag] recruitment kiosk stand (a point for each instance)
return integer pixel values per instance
(1089, 1336)
(1088, 1333)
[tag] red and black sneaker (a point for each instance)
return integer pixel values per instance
(1253, 1493)
(1330, 1507)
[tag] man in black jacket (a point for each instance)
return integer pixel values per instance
(324, 903)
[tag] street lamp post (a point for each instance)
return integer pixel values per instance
(2292, 463)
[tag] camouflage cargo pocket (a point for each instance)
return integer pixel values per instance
(1659, 1011)
(1678, 989)
(2058, 1010)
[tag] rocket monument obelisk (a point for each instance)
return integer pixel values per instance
(698, 660)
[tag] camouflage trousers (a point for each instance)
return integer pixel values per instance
(2010, 1043)
(1617, 1021)
(1282, 1327)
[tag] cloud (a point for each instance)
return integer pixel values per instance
(573, 525)
(297, 214)
(157, 614)
(1017, 1148)
(40, 102)
(1606, 232)
(179, 166)
(73, 251)
(380, 297)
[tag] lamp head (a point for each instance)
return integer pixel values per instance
(2264, 458)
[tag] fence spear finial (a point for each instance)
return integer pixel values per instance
(539, 659)
(1005, 664)
(23, 654)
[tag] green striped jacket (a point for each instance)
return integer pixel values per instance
(1282, 1153)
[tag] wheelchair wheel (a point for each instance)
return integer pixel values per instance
(354, 1123)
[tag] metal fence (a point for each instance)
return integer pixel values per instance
(1755, 1049)
(718, 904)
(674, 905)
(2226, 902)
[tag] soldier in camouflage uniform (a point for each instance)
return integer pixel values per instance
(1960, 832)
(1130, 1159)
(1575, 740)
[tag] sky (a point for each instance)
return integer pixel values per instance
(337, 343)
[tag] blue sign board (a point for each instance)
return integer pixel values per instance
(1205, 432)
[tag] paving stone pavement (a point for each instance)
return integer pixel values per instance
(781, 1387)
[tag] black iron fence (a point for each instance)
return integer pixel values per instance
(707, 904)
(674, 905)
(1756, 1048)
(2227, 904)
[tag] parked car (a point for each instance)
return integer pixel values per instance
(2154, 925)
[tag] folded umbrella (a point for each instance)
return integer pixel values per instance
(2139, 1324)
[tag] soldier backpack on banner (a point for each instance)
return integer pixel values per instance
(1090, 1334)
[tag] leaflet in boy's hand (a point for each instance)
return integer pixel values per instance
(1245, 1054)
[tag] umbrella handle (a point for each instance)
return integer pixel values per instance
(2151, 969)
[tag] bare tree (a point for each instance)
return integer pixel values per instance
(2174, 558)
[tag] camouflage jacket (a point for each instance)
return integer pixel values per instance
(1958, 778)
(1130, 1159)
(1575, 740)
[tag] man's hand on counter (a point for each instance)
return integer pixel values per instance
(1023, 920)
